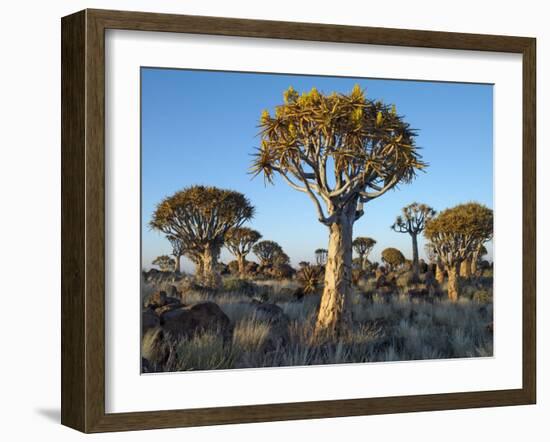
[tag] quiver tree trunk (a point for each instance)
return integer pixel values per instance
(465, 268)
(415, 254)
(210, 277)
(178, 264)
(241, 262)
(439, 273)
(453, 284)
(333, 314)
(473, 264)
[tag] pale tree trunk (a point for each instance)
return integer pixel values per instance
(362, 261)
(415, 254)
(439, 273)
(210, 277)
(333, 315)
(465, 268)
(453, 284)
(473, 265)
(178, 263)
(241, 263)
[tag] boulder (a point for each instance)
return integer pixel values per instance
(157, 299)
(160, 299)
(188, 321)
(278, 323)
(148, 320)
(155, 349)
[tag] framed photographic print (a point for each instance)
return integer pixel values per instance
(267, 221)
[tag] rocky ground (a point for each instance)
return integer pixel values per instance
(266, 323)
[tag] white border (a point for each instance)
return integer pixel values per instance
(127, 390)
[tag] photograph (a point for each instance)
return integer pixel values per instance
(300, 220)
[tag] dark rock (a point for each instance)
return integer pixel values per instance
(149, 320)
(156, 300)
(188, 321)
(159, 311)
(155, 349)
(278, 323)
(298, 294)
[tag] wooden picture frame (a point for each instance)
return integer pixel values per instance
(83, 220)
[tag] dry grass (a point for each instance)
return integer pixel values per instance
(394, 329)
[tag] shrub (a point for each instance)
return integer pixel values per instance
(233, 267)
(310, 278)
(242, 286)
(482, 296)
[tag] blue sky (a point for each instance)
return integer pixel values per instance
(200, 127)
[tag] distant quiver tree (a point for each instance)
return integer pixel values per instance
(363, 246)
(201, 216)
(456, 235)
(239, 241)
(413, 221)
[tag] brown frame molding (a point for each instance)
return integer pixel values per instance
(83, 216)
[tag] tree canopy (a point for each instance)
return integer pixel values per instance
(201, 215)
(413, 218)
(456, 233)
(164, 262)
(239, 240)
(266, 251)
(363, 245)
(337, 148)
(392, 257)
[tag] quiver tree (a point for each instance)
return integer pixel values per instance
(434, 259)
(455, 235)
(342, 151)
(239, 241)
(179, 249)
(164, 263)
(266, 251)
(393, 258)
(363, 246)
(321, 256)
(281, 259)
(201, 216)
(413, 221)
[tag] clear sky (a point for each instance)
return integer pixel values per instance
(200, 127)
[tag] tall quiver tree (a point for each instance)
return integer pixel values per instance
(455, 235)
(363, 246)
(239, 241)
(201, 216)
(413, 221)
(342, 150)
